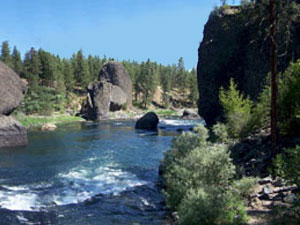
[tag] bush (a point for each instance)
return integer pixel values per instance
(244, 186)
(182, 145)
(237, 111)
(287, 165)
(211, 206)
(203, 166)
(220, 133)
(289, 100)
(200, 181)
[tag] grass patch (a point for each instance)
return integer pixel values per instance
(33, 121)
(165, 112)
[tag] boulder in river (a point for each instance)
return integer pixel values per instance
(12, 133)
(111, 92)
(190, 115)
(148, 122)
(12, 90)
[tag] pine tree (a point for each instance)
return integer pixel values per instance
(81, 72)
(32, 68)
(48, 68)
(166, 84)
(147, 83)
(17, 61)
(181, 76)
(68, 75)
(5, 54)
(193, 88)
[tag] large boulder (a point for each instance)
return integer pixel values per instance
(148, 122)
(12, 90)
(116, 74)
(12, 133)
(110, 93)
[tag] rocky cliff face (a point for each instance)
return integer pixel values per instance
(235, 46)
(12, 90)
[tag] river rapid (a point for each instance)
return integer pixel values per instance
(87, 173)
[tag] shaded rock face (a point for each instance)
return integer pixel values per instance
(110, 93)
(148, 122)
(12, 90)
(234, 47)
(12, 133)
(116, 74)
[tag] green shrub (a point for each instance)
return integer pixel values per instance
(211, 206)
(237, 111)
(182, 145)
(207, 165)
(289, 100)
(261, 111)
(245, 186)
(287, 165)
(220, 133)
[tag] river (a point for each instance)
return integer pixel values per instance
(86, 173)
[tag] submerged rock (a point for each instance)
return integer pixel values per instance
(148, 122)
(12, 90)
(12, 133)
(49, 126)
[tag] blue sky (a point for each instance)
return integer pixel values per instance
(162, 30)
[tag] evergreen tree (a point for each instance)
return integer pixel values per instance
(17, 61)
(181, 76)
(5, 54)
(48, 68)
(193, 87)
(81, 71)
(68, 75)
(32, 68)
(146, 83)
(165, 84)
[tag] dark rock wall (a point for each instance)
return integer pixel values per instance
(233, 46)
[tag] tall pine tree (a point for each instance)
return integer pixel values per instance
(5, 54)
(17, 61)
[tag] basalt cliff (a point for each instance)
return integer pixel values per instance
(236, 45)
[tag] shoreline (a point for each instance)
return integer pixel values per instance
(37, 121)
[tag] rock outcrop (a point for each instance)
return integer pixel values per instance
(12, 90)
(148, 122)
(111, 92)
(12, 133)
(234, 45)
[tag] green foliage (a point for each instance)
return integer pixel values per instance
(289, 100)
(17, 61)
(245, 186)
(220, 133)
(200, 181)
(5, 54)
(237, 110)
(39, 121)
(287, 165)
(211, 206)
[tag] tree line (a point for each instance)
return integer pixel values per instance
(54, 82)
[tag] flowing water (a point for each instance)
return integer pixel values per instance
(86, 173)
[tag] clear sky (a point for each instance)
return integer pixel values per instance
(162, 30)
